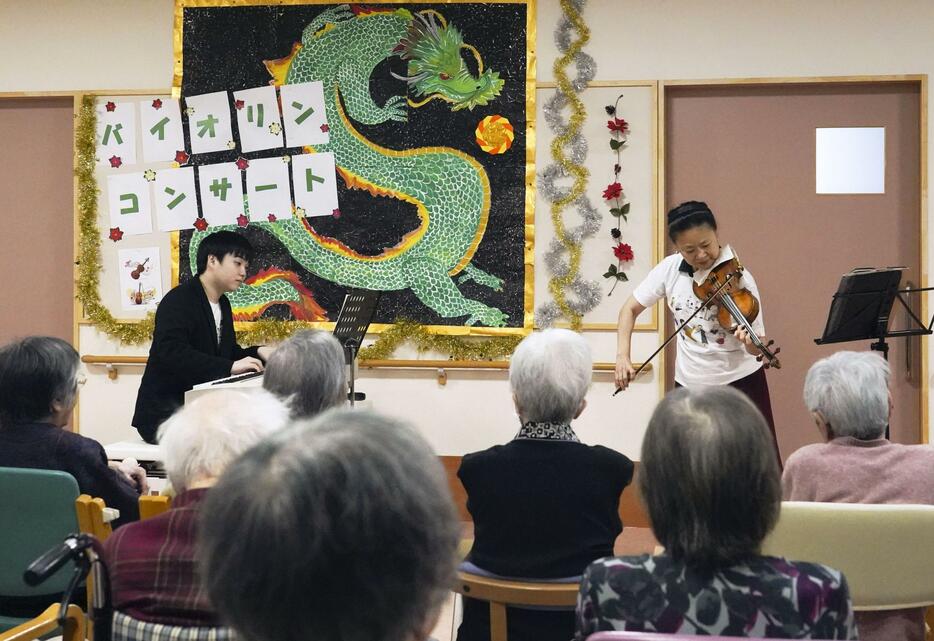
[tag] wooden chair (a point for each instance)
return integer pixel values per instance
(91, 520)
(150, 506)
(501, 593)
(46, 623)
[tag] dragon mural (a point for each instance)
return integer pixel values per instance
(450, 190)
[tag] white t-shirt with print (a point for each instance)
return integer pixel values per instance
(216, 309)
(708, 354)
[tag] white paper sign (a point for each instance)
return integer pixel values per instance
(116, 133)
(209, 122)
(140, 278)
(176, 199)
(128, 200)
(221, 188)
(258, 118)
(160, 121)
(303, 114)
(267, 188)
(315, 183)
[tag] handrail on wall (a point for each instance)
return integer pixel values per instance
(110, 362)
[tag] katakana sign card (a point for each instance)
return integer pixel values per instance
(267, 188)
(128, 201)
(221, 188)
(116, 133)
(176, 200)
(258, 118)
(140, 278)
(315, 184)
(160, 122)
(303, 114)
(209, 122)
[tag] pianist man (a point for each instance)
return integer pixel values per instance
(194, 339)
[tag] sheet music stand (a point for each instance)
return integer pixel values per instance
(355, 317)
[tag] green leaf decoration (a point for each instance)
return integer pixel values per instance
(621, 276)
(616, 211)
(625, 209)
(615, 144)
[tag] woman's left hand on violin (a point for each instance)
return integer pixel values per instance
(743, 337)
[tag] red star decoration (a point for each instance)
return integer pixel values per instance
(336, 213)
(325, 128)
(115, 161)
(116, 234)
(272, 218)
(238, 104)
(110, 106)
(242, 220)
(157, 103)
(200, 224)
(181, 157)
(242, 163)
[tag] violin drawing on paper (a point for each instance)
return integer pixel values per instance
(140, 268)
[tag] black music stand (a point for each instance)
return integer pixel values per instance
(355, 317)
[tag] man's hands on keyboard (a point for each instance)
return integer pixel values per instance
(246, 364)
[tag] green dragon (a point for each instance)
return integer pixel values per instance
(450, 190)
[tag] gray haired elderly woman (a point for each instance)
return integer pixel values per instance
(710, 482)
(544, 505)
(308, 371)
(848, 397)
(337, 529)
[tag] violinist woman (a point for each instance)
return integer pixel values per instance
(707, 353)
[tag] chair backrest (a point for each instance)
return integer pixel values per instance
(42, 625)
(501, 593)
(90, 513)
(883, 550)
(38, 513)
(150, 506)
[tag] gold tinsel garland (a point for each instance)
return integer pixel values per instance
(558, 284)
(261, 331)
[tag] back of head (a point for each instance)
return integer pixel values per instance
(709, 477)
(336, 529)
(549, 373)
(221, 243)
(199, 441)
(688, 215)
(35, 372)
(308, 371)
(851, 391)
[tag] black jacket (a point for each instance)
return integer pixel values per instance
(184, 353)
(541, 509)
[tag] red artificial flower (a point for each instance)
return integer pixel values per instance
(242, 220)
(116, 234)
(115, 161)
(336, 213)
(623, 252)
(110, 106)
(181, 157)
(238, 104)
(242, 163)
(612, 191)
(618, 125)
(325, 128)
(157, 103)
(272, 218)
(200, 223)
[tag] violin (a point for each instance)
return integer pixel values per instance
(736, 306)
(140, 268)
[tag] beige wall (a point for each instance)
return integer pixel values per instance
(75, 44)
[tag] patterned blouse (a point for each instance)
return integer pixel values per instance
(764, 597)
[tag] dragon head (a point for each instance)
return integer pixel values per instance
(437, 68)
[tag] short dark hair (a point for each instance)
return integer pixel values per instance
(709, 477)
(688, 215)
(221, 243)
(336, 529)
(35, 372)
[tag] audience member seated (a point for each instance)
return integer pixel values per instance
(710, 482)
(153, 568)
(336, 529)
(39, 380)
(848, 396)
(308, 371)
(544, 505)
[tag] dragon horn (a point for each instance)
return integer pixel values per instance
(410, 79)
